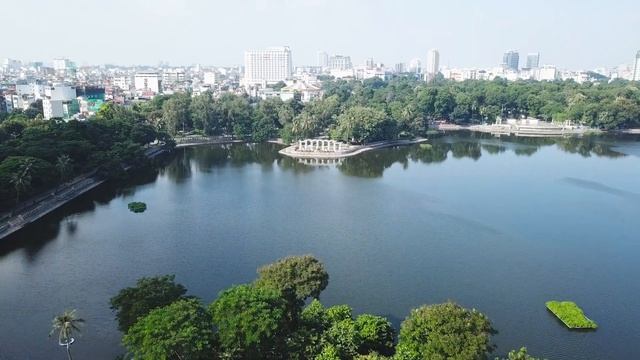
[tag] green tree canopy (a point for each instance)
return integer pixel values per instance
(251, 322)
(444, 331)
(150, 293)
(304, 275)
(181, 330)
(362, 124)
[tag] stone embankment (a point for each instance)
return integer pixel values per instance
(37, 207)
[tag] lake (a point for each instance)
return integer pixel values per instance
(498, 224)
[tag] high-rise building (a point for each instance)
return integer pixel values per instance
(433, 62)
(415, 66)
(323, 59)
(510, 60)
(400, 68)
(267, 66)
(636, 68)
(370, 63)
(340, 62)
(533, 60)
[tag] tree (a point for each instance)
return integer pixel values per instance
(204, 114)
(251, 322)
(304, 275)
(376, 334)
(65, 325)
(150, 293)
(181, 330)
(21, 179)
(444, 331)
(176, 114)
(361, 124)
(64, 166)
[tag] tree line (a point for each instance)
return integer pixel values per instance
(36, 155)
(279, 316)
(375, 109)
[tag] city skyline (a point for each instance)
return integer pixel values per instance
(480, 35)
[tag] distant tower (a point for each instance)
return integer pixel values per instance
(510, 60)
(415, 66)
(370, 64)
(533, 60)
(269, 65)
(433, 63)
(323, 59)
(636, 68)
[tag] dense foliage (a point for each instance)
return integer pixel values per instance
(260, 321)
(132, 303)
(374, 109)
(305, 276)
(36, 155)
(444, 331)
(181, 330)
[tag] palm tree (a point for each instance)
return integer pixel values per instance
(63, 165)
(21, 179)
(65, 325)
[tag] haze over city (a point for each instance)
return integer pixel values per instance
(570, 34)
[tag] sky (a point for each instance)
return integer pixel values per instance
(567, 33)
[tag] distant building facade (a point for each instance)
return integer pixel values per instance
(147, 83)
(433, 63)
(533, 60)
(267, 66)
(340, 62)
(511, 60)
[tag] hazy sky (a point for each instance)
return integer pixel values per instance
(567, 33)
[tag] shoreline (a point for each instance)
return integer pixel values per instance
(291, 152)
(48, 201)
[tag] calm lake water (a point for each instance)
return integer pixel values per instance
(498, 224)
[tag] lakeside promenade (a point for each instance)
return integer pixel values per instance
(40, 205)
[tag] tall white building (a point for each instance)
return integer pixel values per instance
(433, 62)
(636, 68)
(267, 66)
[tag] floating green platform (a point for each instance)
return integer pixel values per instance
(137, 207)
(571, 315)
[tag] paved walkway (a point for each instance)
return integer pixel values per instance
(38, 206)
(352, 151)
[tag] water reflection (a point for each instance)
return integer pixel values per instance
(180, 167)
(34, 238)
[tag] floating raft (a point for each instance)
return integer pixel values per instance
(571, 315)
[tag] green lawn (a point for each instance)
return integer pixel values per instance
(570, 314)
